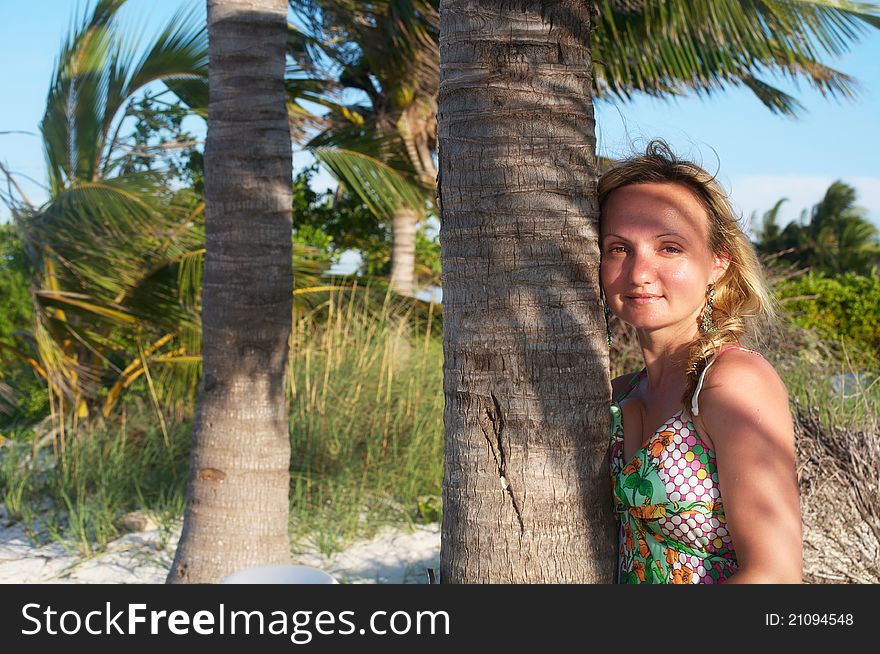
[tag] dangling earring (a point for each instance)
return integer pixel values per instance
(706, 323)
(607, 322)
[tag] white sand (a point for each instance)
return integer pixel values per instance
(393, 556)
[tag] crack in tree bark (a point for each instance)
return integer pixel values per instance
(494, 422)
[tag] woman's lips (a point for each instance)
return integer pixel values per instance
(643, 299)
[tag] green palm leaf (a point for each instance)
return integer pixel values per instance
(380, 187)
(674, 47)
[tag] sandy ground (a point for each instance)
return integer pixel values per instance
(393, 556)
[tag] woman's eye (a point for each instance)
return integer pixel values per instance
(621, 249)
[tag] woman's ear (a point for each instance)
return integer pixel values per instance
(722, 261)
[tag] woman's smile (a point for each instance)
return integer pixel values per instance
(642, 299)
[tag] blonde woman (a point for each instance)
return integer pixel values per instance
(702, 445)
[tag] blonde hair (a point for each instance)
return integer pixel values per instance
(742, 297)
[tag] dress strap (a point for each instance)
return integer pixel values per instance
(633, 382)
(695, 409)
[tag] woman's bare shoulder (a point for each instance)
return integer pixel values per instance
(747, 417)
(742, 385)
(744, 371)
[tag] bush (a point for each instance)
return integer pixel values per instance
(24, 399)
(843, 310)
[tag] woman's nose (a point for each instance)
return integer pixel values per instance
(642, 268)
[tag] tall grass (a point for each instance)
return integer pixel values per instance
(79, 492)
(842, 393)
(366, 417)
(365, 382)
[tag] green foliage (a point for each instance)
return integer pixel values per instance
(844, 310)
(332, 222)
(24, 399)
(319, 240)
(430, 508)
(16, 311)
(427, 256)
(366, 434)
(835, 237)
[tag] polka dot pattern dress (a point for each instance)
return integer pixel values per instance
(672, 528)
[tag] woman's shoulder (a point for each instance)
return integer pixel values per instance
(743, 386)
(739, 367)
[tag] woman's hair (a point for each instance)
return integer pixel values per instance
(742, 298)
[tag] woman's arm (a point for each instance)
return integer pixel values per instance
(744, 407)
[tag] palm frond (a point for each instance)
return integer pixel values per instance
(178, 55)
(97, 72)
(380, 187)
(72, 106)
(704, 45)
(77, 302)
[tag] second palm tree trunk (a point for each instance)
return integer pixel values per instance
(237, 504)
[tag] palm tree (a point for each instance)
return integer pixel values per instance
(388, 50)
(117, 256)
(526, 495)
(842, 238)
(833, 238)
(109, 241)
(237, 506)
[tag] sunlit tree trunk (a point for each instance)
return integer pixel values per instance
(526, 492)
(403, 250)
(417, 127)
(237, 504)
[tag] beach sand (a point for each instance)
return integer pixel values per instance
(393, 556)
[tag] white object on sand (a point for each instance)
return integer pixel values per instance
(279, 574)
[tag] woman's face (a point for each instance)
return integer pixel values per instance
(656, 259)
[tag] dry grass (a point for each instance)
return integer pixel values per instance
(839, 476)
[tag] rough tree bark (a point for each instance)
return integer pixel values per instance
(237, 504)
(526, 492)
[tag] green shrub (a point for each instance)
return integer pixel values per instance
(16, 311)
(844, 310)
(25, 399)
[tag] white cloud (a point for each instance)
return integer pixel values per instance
(758, 193)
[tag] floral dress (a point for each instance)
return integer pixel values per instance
(672, 528)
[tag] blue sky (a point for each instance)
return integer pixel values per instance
(760, 157)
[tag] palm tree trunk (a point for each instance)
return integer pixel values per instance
(403, 250)
(237, 508)
(526, 493)
(417, 125)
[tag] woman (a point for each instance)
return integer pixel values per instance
(702, 446)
